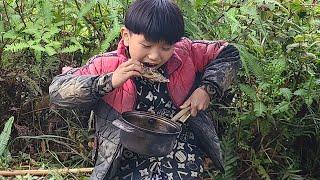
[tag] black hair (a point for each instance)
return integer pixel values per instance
(157, 20)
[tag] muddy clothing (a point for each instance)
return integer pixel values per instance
(215, 63)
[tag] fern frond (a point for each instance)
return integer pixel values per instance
(38, 47)
(251, 63)
(50, 32)
(249, 91)
(70, 49)
(228, 146)
(46, 11)
(50, 50)
(15, 47)
(263, 173)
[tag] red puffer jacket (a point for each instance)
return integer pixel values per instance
(189, 57)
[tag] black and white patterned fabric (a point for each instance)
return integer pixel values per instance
(186, 159)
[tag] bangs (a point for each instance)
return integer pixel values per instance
(157, 20)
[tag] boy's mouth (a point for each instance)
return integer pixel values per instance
(149, 65)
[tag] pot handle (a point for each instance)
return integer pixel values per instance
(123, 126)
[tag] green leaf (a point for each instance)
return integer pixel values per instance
(54, 44)
(38, 47)
(282, 107)
(73, 48)
(299, 38)
(259, 108)
(70, 49)
(249, 10)
(286, 93)
(233, 22)
(193, 29)
(31, 30)
(247, 118)
(1, 27)
(52, 31)
(263, 173)
(112, 35)
(50, 50)
(16, 47)
(248, 91)
(251, 62)
(300, 92)
(309, 100)
(86, 8)
(5, 135)
(11, 34)
(274, 2)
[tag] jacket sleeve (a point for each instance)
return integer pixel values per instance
(81, 87)
(221, 72)
(218, 61)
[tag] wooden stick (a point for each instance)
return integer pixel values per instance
(42, 172)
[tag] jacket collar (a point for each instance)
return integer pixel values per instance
(172, 65)
(121, 51)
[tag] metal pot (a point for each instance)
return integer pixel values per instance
(147, 134)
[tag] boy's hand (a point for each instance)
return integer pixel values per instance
(125, 71)
(199, 100)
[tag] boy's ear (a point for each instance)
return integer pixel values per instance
(125, 34)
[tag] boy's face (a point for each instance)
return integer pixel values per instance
(150, 53)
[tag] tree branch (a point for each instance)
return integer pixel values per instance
(20, 13)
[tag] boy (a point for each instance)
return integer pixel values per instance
(112, 83)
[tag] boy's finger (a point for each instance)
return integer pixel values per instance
(194, 111)
(133, 73)
(136, 67)
(185, 104)
(130, 62)
(133, 67)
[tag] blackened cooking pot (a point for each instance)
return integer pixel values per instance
(147, 134)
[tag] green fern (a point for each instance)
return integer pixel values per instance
(230, 159)
(5, 135)
(251, 63)
(249, 91)
(259, 166)
(46, 11)
(50, 32)
(71, 48)
(263, 173)
(16, 47)
(74, 47)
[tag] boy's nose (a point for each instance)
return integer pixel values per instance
(154, 56)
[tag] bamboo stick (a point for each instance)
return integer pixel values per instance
(43, 172)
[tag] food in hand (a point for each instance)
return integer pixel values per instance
(153, 75)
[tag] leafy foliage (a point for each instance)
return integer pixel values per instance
(270, 129)
(230, 159)
(276, 105)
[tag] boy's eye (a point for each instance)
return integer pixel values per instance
(146, 46)
(166, 48)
